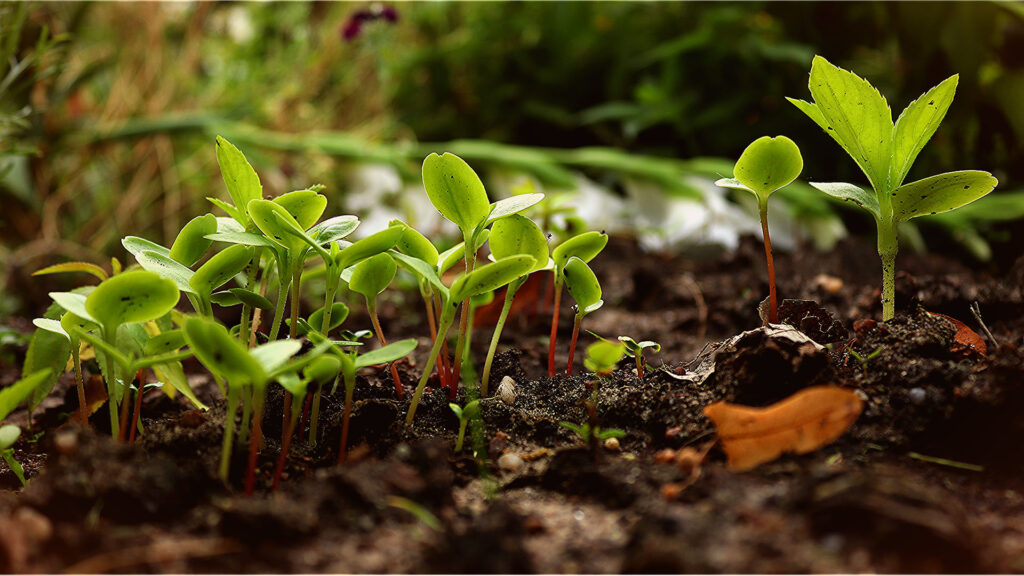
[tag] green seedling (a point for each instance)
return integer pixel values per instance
(586, 291)
(511, 236)
(10, 398)
(850, 110)
(603, 356)
(319, 372)
(369, 278)
(243, 369)
(864, 360)
(590, 434)
(584, 246)
(70, 346)
(767, 165)
(636, 349)
(457, 193)
(464, 414)
(483, 279)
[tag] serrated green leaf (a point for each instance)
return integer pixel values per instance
(220, 268)
(373, 275)
(192, 242)
(456, 191)
(165, 267)
(490, 276)
(513, 205)
(517, 234)
(87, 267)
(940, 193)
(915, 127)
(241, 180)
(858, 115)
(768, 164)
(583, 285)
(851, 193)
(385, 354)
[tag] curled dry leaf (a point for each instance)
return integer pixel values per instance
(965, 341)
(800, 424)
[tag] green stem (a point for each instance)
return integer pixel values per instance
(333, 280)
(282, 299)
(462, 434)
(510, 295)
(8, 456)
(888, 245)
(229, 433)
(83, 411)
(773, 307)
(460, 342)
(447, 316)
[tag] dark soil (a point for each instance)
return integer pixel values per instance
(929, 478)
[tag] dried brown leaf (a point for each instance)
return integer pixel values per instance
(800, 424)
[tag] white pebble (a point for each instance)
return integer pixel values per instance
(507, 390)
(611, 444)
(511, 462)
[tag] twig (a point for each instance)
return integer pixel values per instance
(945, 462)
(976, 311)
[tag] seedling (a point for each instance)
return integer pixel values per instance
(636, 349)
(590, 434)
(8, 436)
(586, 291)
(319, 372)
(464, 414)
(603, 356)
(458, 194)
(510, 236)
(584, 246)
(856, 116)
(864, 360)
(10, 397)
(767, 165)
(369, 278)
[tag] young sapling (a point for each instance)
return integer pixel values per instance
(584, 246)
(636, 349)
(767, 165)
(369, 278)
(10, 398)
(510, 236)
(850, 110)
(586, 291)
(464, 414)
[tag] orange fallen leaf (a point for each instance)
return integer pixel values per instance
(965, 340)
(95, 398)
(802, 423)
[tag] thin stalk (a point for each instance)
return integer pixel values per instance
(462, 434)
(773, 306)
(554, 326)
(257, 314)
(639, 364)
(229, 432)
(460, 342)
(443, 371)
(333, 279)
(243, 430)
(305, 416)
(138, 407)
(293, 333)
(432, 323)
(447, 317)
(286, 445)
(371, 307)
(83, 410)
(253, 269)
(350, 386)
(254, 445)
(510, 295)
(282, 300)
(572, 344)
(125, 411)
(888, 245)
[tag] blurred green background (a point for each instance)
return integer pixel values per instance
(108, 110)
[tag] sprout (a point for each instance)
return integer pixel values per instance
(465, 414)
(636, 349)
(586, 291)
(767, 165)
(369, 278)
(10, 397)
(603, 356)
(850, 110)
(584, 246)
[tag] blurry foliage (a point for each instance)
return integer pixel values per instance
(107, 122)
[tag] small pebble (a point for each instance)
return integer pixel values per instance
(917, 396)
(66, 442)
(507, 390)
(830, 284)
(612, 444)
(511, 462)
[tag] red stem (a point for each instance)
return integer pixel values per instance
(572, 344)
(460, 346)
(554, 331)
(285, 447)
(639, 366)
(375, 320)
(138, 408)
(342, 451)
(441, 376)
(305, 414)
(773, 310)
(254, 445)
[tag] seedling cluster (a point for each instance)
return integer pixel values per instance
(267, 252)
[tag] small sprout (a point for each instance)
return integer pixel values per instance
(850, 110)
(603, 356)
(586, 291)
(588, 434)
(584, 246)
(10, 398)
(767, 165)
(369, 278)
(636, 349)
(864, 360)
(8, 436)
(465, 414)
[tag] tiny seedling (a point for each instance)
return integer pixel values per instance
(8, 436)
(318, 372)
(636, 349)
(464, 414)
(864, 360)
(767, 165)
(10, 398)
(586, 291)
(369, 278)
(511, 236)
(584, 246)
(850, 110)
(590, 434)
(603, 356)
